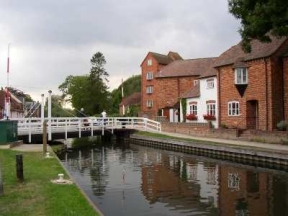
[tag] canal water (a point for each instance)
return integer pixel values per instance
(127, 179)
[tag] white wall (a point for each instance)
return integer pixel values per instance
(205, 95)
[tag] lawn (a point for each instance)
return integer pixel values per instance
(37, 195)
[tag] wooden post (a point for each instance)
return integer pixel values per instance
(44, 137)
(19, 167)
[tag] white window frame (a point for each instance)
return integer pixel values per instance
(210, 84)
(233, 181)
(233, 108)
(193, 109)
(211, 109)
(149, 89)
(196, 82)
(149, 62)
(241, 76)
(149, 76)
(149, 103)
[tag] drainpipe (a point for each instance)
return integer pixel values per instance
(283, 89)
(267, 104)
(219, 97)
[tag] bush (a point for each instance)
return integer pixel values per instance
(282, 125)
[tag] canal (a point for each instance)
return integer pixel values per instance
(127, 179)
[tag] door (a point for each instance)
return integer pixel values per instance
(252, 114)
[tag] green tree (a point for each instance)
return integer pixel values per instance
(57, 109)
(130, 86)
(259, 19)
(89, 91)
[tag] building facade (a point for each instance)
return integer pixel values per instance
(151, 65)
(252, 85)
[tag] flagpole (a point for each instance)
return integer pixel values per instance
(7, 102)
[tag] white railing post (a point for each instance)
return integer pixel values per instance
(79, 126)
(49, 116)
(30, 132)
(42, 108)
(66, 130)
(145, 124)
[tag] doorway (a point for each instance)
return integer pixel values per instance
(252, 114)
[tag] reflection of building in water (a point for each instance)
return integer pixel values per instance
(243, 192)
(183, 184)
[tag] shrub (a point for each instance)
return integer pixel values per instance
(282, 125)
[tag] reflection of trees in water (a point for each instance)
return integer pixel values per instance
(92, 161)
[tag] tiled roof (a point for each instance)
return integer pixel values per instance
(162, 59)
(259, 50)
(191, 67)
(174, 56)
(193, 93)
(134, 99)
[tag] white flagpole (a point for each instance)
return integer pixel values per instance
(8, 98)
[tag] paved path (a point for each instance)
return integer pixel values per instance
(267, 146)
(26, 147)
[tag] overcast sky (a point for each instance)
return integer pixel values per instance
(51, 39)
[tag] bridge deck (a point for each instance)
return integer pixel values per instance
(78, 127)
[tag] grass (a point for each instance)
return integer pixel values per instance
(37, 195)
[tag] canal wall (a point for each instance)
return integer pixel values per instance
(276, 159)
(205, 130)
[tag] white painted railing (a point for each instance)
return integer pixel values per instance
(30, 126)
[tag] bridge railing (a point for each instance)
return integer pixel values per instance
(29, 126)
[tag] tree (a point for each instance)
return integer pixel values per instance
(259, 19)
(130, 86)
(89, 91)
(57, 109)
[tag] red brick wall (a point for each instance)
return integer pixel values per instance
(277, 92)
(256, 90)
(285, 69)
(151, 112)
(170, 89)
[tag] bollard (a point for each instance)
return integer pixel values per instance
(44, 137)
(19, 167)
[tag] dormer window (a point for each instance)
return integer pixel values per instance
(149, 62)
(241, 76)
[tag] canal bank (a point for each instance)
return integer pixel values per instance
(40, 175)
(252, 153)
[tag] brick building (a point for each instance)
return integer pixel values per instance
(16, 106)
(151, 65)
(165, 79)
(253, 87)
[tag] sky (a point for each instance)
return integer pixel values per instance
(52, 39)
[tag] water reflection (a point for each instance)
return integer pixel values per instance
(125, 179)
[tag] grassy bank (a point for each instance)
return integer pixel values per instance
(37, 195)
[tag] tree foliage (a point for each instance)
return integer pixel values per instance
(57, 109)
(89, 91)
(130, 86)
(259, 19)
